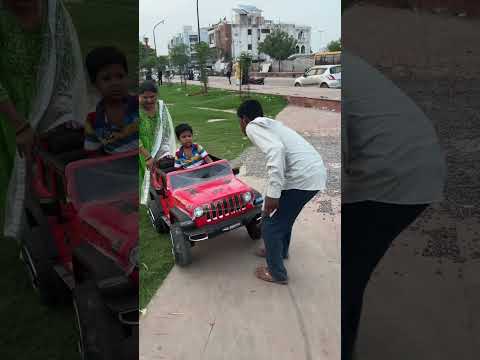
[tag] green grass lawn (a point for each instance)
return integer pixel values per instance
(222, 139)
(30, 330)
(108, 23)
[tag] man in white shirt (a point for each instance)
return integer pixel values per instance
(393, 167)
(295, 175)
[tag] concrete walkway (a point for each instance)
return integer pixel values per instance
(216, 309)
(275, 86)
(420, 306)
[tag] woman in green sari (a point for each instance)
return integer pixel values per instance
(157, 137)
(42, 85)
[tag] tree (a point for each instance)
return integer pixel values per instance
(147, 58)
(245, 63)
(204, 55)
(278, 45)
(335, 45)
(162, 62)
(180, 59)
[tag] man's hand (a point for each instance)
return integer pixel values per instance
(271, 204)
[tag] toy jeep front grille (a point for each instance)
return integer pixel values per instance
(224, 207)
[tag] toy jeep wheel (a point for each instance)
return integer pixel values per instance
(181, 248)
(39, 266)
(254, 229)
(100, 333)
(157, 222)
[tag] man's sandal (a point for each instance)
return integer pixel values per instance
(263, 274)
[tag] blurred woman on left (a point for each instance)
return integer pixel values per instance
(42, 86)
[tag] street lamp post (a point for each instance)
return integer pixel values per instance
(154, 39)
(155, 46)
(321, 38)
(198, 24)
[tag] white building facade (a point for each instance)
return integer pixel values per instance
(249, 29)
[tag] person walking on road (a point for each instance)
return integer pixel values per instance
(229, 72)
(237, 70)
(296, 173)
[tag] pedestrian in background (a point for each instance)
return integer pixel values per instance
(229, 72)
(237, 73)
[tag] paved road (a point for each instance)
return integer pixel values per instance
(276, 86)
(216, 309)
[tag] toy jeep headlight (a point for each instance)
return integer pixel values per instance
(133, 256)
(247, 197)
(198, 212)
(258, 200)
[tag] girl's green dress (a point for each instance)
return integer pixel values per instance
(19, 61)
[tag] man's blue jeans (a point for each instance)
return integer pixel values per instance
(277, 230)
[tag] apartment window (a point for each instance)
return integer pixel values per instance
(249, 46)
(249, 31)
(265, 31)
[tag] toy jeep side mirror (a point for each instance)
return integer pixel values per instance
(236, 171)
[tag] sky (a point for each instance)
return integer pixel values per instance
(322, 15)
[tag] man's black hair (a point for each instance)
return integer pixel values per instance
(180, 129)
(251, 109)
(149, 86)
(100, 57)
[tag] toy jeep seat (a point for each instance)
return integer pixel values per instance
(166, 165)
(63, 139)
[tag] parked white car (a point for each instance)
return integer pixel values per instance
(196, 75)
(325, 76)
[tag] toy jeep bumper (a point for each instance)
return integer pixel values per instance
(210, 231)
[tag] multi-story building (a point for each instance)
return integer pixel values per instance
(189, 37)
(247, 29)
(300, 33)
(220, 38)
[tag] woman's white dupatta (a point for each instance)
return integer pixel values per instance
(61, 97)
(163, 145)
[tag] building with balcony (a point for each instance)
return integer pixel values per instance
(247, 29)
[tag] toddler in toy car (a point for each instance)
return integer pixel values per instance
(113, 127)
(189, 155)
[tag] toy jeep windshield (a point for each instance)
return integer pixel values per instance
(81, 239)
(198, 204)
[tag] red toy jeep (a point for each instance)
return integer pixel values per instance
(81, 234)
(197, 204)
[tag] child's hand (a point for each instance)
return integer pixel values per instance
(113, 137)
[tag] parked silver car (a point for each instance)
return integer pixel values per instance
(325, 76)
